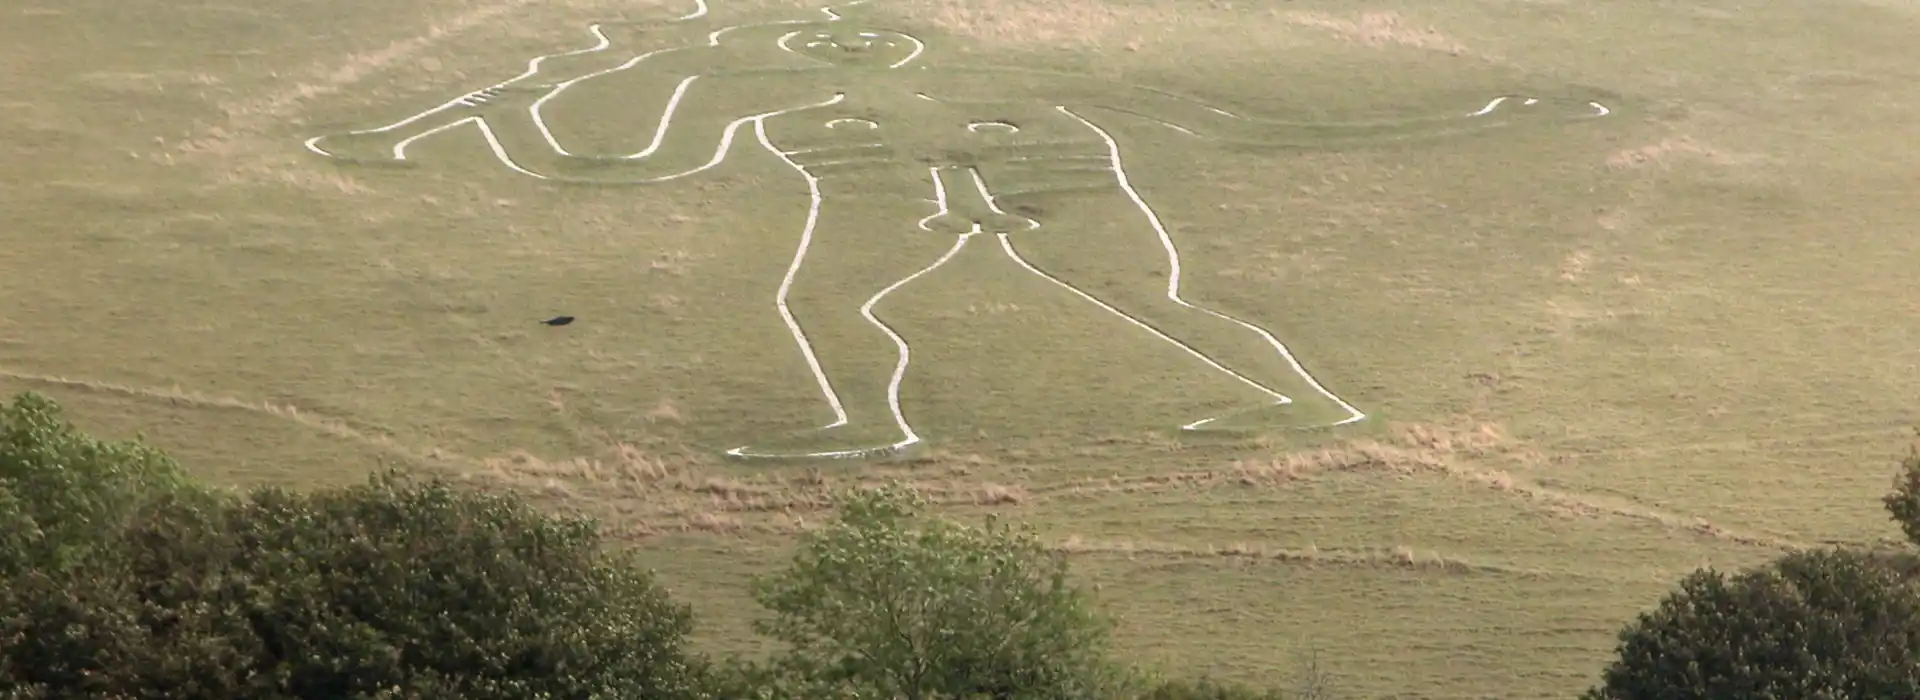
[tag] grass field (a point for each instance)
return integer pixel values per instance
(1595, 353)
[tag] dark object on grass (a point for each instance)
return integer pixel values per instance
(558, 321)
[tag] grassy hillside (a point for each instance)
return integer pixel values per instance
(1595, 353)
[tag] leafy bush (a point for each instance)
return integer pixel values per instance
(63, 494)
(889, 602)
(1903, 503)
(124, 580)
(1311, 682)
(1814, 625)
(1208, 689)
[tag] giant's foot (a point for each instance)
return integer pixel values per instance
(1281, 415)
(850, 441)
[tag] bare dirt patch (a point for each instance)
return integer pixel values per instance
(1669, 150)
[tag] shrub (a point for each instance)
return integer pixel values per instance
(125, 580)
(1814, 625)
(1903, 503)
(889, 602)
(63, 494)
(1311, 682)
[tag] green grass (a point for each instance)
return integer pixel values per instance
(1599, 354)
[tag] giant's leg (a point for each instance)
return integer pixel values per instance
(1112, 249)
(854, 255)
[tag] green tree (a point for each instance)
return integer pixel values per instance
(1903, 503)
(123, 579)
(63, 494)
(890, 602)
(421, 585)
(1815, 625)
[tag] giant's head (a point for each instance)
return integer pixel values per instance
(853, 46)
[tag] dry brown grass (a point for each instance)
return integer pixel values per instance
(244, 118)
(1045, 23)
(181, 397)
(238, 133)
(1668, 151)
(643, 493)
(1471, 451)
(1381, 28)
(1401, 556)
(640, 492)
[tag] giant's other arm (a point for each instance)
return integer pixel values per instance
(1201, 118)
(1441, 121)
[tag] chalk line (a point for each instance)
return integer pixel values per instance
(603, 42)
(500, 151)
(939, 198)
(1173, 279)
(824, 149)
(835, 124)
(666, 119)
(919, 47)
(784, 38)
(1495, 104)
(906, 353)
(726, 144)
(908, 436)
(1006, 244)
(980, 185)
(977, 127)
(1599, 110)
(835, 16)
(532, 69)
(814, 199)
(486, 132)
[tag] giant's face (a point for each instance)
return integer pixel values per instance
(854, 47)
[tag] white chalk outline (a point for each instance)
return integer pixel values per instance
(939, 199)
(993, 204)
(1173, 288)
(1599, 110)
(815, 198)
(919, 47)
(603, 42)
(486, 132)
(910, 437)
(726, 141)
